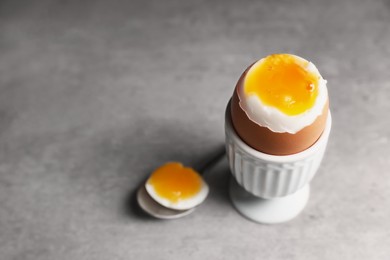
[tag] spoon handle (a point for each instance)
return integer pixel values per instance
(215, 158)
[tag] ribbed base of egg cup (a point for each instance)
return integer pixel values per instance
(269, 188)
(268, 211)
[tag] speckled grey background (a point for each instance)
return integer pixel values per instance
(96, 94)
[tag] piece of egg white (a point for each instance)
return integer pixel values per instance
(183, 203)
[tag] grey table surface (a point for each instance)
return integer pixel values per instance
(97, 94)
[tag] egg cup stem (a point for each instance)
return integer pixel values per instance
(268, 211)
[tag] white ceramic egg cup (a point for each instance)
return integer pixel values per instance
(268, 188)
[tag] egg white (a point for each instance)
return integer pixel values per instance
(182, 204)
(274, 119)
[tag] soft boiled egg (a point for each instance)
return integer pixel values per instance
(177, 187)
(280, 104)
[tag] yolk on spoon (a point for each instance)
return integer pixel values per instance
(175, 182)
(283, 81)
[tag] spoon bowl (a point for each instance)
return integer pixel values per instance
(154, 209)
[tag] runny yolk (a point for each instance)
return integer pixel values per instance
(282, 81)
(175, 182)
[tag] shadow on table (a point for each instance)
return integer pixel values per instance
(131, 207)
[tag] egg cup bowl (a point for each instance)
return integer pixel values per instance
(271, 188)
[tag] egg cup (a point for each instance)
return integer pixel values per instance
(271, 188)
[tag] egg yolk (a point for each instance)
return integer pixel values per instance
(282, 81)
(175, 182)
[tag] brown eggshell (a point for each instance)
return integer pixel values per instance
(266, 141)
